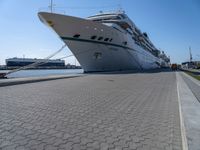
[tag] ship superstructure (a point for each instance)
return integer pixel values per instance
(106, 42)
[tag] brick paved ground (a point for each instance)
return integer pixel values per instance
(129, 111)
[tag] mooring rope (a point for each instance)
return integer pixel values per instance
(37, 63)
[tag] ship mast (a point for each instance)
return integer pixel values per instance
(51, 6)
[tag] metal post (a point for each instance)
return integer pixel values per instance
(190, 54)
(51, 6)
(75, 60)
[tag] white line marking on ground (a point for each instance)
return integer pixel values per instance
(183, 131)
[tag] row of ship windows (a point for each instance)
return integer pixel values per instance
(101, 38)
(95, 37)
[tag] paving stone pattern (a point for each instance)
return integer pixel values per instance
(128, 111)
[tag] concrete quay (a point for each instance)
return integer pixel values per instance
(16, 81)
(133, 111)
(189, 93)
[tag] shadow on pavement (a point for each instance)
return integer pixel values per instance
(132, 71)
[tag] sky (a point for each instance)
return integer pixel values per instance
(172, 25)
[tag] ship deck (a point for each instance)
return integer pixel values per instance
(117, 111)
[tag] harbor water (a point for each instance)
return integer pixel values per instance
(42, 72)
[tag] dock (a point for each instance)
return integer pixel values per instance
(121, 111)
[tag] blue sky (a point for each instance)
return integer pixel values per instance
(172, 25)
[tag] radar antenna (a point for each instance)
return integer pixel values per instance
(120, 9)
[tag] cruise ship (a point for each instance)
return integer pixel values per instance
(107, 41)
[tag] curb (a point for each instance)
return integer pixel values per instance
(191, 78)
(182, 125)
(33, 80)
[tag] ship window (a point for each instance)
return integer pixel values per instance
(110, 40)
(106, 39)
(134, 38)
(93, 37)
(76, 35)
(117, 29)
(136, 42)
(125, 43)
(100, 38)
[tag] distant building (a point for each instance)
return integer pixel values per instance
(48, 64)
(69, 66)
(191, 65)
(2, 67)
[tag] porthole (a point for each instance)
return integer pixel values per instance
(100, 38)
(106, 39)
(125, 43)
(110, 40)
(93, 37)
(76, 36)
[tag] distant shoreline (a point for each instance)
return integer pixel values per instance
(4, 67)
(43, 69)
(41, 72)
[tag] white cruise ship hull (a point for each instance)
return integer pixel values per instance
(121, 53)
